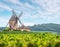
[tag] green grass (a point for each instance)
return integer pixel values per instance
(29, 39)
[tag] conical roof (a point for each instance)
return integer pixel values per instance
(13, 18)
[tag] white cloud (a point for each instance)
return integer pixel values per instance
(28, 24)
(16, 2)
(4, 6)
(3, 21)
(49, 5)
(52, 9)
(21, 5)
(29, 6)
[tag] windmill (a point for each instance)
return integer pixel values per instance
(13, 22)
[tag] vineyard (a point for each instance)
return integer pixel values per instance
(43, 39)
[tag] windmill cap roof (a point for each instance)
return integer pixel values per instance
(13, 18)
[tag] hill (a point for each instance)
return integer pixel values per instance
(1, 28)
(46, 27)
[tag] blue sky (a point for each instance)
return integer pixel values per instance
(34, 11)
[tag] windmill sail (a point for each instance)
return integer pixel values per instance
(20, 22)
(20, 14)
(14, 14)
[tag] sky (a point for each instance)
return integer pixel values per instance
(34, 11)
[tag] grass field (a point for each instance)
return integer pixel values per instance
(29, 39)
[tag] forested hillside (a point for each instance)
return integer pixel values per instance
(46, 27)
